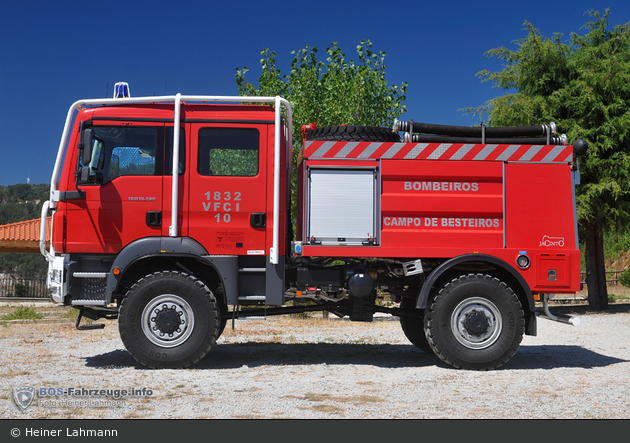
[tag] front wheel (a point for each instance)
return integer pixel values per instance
(475, 322)
(169, 320)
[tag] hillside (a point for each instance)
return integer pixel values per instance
(21, 202)
(618, 262)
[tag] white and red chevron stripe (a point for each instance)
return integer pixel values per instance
(435, 151)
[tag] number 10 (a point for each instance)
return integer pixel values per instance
(226, 218)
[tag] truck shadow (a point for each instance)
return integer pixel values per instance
(387, 356)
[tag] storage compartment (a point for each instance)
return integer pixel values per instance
(553, 271)
(342, 207)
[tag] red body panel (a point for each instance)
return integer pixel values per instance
(442, 204)
(447, 200)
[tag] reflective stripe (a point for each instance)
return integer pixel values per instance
(439, 151)
(465, 149)
(343, 153)
(416, 151)
(323, 149)
(485, 152)
(372, 147)
(554, 153)
(391, 152)
(531, 152)
(511, 149)
(436, 151)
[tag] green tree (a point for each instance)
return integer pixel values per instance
(331, 92)
(583, 86)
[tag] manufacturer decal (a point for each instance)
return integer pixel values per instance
(552, 241)
(141, 199)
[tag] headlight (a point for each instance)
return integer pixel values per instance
(55, 276)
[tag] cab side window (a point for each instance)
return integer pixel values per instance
(228, 152)
(124, 151)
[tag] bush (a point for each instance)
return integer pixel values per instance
(624, 278)
(24, 313)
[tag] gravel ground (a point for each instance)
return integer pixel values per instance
(316, 368)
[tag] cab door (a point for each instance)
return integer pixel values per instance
(228, 188)
(124, 185)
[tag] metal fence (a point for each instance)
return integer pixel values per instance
(612, 277)
(11, 286)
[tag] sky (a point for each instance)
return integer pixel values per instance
(53, 53)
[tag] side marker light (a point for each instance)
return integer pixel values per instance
(522, 261)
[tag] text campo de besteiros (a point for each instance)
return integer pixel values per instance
(73, 397)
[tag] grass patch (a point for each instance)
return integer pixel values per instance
(618, 297)
(71, 313)
(23, 313)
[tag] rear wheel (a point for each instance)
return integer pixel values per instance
(413, 327)
(169, 320)
(475, 322)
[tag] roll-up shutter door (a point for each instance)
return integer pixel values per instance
(342, 206)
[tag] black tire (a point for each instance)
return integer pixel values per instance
(222, 324)
(413, 327)
(353, 133)
(475, 322)
(169, 320)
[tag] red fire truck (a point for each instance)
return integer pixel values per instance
(173, 215)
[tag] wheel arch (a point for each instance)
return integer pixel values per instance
(499, 268)
(151, 254)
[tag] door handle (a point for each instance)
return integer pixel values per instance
(154, 218)
(258, 219)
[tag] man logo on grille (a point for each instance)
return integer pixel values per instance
(23, 396)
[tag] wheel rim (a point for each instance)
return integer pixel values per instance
(476, 323)
(168, 321)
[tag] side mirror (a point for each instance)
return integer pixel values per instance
(84, 175)
(91, 151)
(86, 156)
